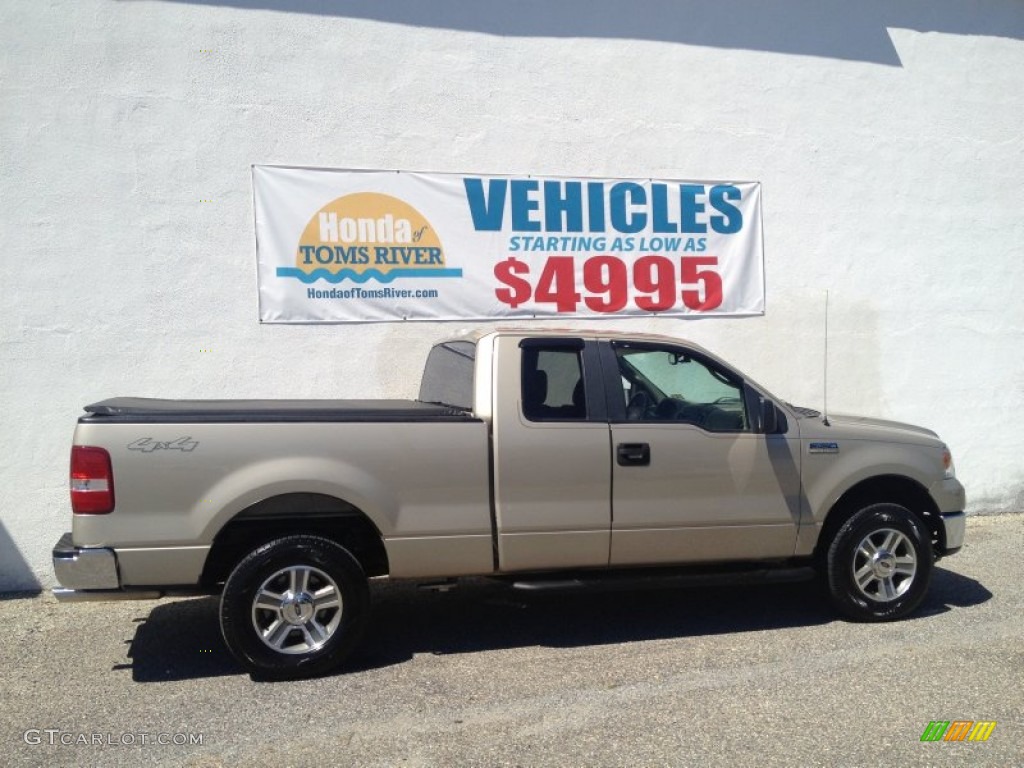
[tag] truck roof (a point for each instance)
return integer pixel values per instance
(582, 333)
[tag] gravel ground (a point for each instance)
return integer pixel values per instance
(485, 676)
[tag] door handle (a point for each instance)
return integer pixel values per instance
(634, 454)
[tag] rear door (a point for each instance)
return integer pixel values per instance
(693, 481)
(552, 468)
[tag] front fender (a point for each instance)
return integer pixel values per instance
(829, 475)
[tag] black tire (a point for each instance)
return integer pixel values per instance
(306, 635)
(880, 564)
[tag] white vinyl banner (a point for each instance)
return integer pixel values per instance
(342, 246)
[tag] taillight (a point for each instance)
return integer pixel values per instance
(92, 481)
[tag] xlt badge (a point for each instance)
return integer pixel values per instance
(824, 448)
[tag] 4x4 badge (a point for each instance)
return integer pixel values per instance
(148, 444)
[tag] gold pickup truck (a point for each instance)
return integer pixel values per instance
(536, 456)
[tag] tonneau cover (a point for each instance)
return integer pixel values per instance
(157, 411)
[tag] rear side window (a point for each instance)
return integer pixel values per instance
(552, 384)
(448, 375)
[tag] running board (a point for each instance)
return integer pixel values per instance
(626, 581)
(542, 585)
(442, 585)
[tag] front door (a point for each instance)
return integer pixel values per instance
(692, 480)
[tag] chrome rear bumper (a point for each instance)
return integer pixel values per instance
(89, 574)
(84, 567)
(101, 595)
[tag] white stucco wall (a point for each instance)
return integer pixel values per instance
(888, 141)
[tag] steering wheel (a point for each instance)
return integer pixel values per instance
(668, 409)
(638, 405)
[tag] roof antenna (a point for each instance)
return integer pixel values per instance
(824, 412)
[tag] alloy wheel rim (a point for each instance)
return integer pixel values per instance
(297, 610)
(884, 565)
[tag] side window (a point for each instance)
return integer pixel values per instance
(553, 384)
(665, 384)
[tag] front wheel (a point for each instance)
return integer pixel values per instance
(294, 607)
(880, 564)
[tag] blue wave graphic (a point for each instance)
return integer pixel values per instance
(357, 277)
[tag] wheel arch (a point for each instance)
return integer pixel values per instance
(878, 489)
(295, 513)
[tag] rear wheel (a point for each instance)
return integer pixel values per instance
(294, 607)
(880, 564)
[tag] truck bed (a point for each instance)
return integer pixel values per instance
(144, 410)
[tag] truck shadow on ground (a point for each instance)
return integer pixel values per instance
(181, 640)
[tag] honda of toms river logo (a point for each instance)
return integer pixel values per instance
(368, 236)
(958, 730)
